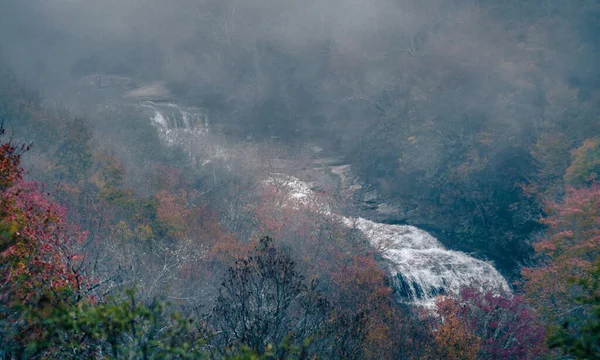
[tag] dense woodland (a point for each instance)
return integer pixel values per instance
(480, 117)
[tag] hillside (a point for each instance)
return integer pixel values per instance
(375, 179)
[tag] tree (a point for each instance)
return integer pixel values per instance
(568, 251)
(39, 265)
(585, 164)
(264, 300)
(583, 342)
(453, 338)
(115, 328)
(363, 292)
(485, 325)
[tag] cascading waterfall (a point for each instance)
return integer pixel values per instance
(419, 263)
(422, 267)
(171, 119)
(172, 116)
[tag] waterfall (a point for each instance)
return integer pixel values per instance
(420, 266)
(172, 120)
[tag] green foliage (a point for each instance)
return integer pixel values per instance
(114, 329)
(74, 157)
(583, 342)
(284, 351)
(124, 329)
(471, 148)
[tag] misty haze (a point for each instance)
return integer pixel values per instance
(358, 179)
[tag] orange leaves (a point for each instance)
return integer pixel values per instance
(569, 249)
(226, 248)
(363, 289)
(185, 217)
(454, 340)
(363, 281)
(173, 209)
(168, 178)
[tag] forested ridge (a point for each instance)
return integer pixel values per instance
(478, 120)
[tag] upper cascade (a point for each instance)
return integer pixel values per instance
(170, 116)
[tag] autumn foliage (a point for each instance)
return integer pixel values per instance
(364, 289)
(453, 337)
(485, 325)
(585, 165)
(319, 286)
(569, 250)
(40, 264)
(38, 243)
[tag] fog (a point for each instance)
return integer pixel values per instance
(49, 42)
(409, 92)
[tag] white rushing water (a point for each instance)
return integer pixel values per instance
(423, 267)
(171, 119)
(419, 263)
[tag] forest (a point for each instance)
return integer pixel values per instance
(192, 179)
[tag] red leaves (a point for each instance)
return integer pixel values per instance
(501, 327)
(38, 253)
(10, 161)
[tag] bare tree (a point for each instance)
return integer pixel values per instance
(265, 301)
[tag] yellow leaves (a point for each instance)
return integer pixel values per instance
(585, 166)
(96, 180)
(10, 227)
(9, 231)
(110, 174)
(20, 266)
(122, 231)
(144, 232)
